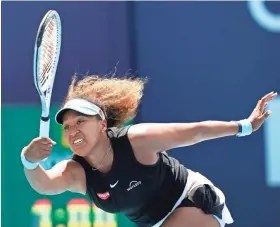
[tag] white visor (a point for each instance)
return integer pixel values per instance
(80, 105)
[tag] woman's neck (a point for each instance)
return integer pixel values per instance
(101, 157)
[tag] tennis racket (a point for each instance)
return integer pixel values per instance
(46, 56)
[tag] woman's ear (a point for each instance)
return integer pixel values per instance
(103, 125)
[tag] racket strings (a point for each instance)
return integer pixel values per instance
(48, 50)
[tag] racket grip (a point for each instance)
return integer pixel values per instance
(44, 128)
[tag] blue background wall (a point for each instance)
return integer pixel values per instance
(205, 61)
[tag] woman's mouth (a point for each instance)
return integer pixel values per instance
(78, 141)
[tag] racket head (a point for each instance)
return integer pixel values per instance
(46, 53)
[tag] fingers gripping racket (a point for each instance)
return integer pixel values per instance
(46, 56)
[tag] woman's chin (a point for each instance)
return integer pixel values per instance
(79, 150)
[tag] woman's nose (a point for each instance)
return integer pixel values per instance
(74, 132)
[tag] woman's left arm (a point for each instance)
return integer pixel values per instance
(156, 137)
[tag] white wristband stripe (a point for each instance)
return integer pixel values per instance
(27, 164)
(246, 128)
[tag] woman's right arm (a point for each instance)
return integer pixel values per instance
(66, 175)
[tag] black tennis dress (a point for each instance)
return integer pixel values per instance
(145, 194)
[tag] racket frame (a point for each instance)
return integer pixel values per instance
(45, 96)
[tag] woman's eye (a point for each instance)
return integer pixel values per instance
(66, 127)
(80, 122)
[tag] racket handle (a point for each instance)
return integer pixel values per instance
(44, 128)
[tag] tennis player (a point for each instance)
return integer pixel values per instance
(127, 169)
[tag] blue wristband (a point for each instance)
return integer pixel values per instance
(246, 128)
(27, 164)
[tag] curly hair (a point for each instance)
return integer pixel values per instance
(119, 98)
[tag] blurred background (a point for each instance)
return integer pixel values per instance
(204, 61)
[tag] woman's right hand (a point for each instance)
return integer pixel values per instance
(38, 149)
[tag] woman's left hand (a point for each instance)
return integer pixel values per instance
(258, 115)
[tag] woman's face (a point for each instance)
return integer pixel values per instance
(81, 132)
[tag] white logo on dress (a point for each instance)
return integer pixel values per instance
(113, 185)
(133, 184)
